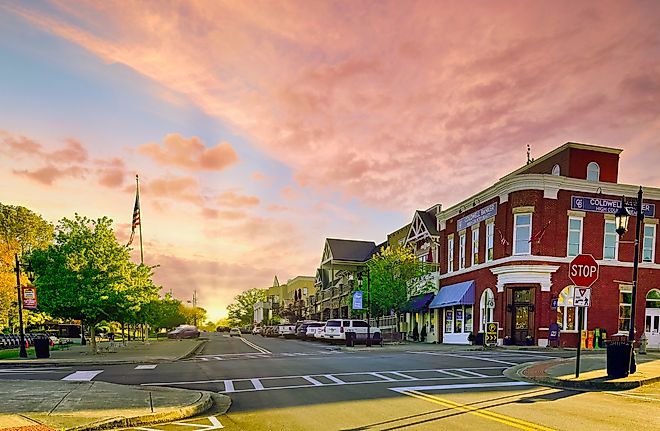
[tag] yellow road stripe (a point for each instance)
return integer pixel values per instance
(507, 420)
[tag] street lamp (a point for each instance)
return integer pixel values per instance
(621, 219)
(22, 353)
(368, 304)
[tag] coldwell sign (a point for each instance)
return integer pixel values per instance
(608, 206)
(583, 270)
(477, 217)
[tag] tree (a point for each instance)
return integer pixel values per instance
(86, 274)
(164, 313)
(242, 310)
(21, 230)
(391, 273)
(193, 315)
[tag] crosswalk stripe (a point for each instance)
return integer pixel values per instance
(146, 367)
(334, 379)
(312, 380)
(472, 373)
(405, 376)
(380, 376)
(82, 376)
(257, 384)
(229, 386)
(449, 373)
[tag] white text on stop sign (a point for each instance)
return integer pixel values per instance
(587, 271)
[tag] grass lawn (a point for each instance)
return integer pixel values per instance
(13, 353)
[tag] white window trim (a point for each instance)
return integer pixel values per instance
(592, 163)
(461, 251)
(568, 235)
(567, 309)
(490, 227)
(616, 236)
(483, 307)
(653, 239)
(450, 254)
(515, 226)
(556, 170)
(475, 245)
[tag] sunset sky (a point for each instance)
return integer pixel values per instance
(259, 128)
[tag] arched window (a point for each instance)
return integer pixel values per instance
(653, 299)
(567, 314)
(593, 172)
(487, 308)
(556, 170)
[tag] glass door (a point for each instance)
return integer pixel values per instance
(522, 313)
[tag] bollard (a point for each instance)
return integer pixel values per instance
(643, 342)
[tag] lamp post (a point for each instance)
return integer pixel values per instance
(368, 304)
(621, 218)
(22, 353)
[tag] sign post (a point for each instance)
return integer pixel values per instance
(583, 272)
(491, 333)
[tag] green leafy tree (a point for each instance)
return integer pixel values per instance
(391, 273)
(86, 274)
(21, 230)
(164, 313)
(242, 310)
(193, 315)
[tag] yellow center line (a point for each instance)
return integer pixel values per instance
(507, 420)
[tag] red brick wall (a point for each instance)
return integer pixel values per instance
(608, 162)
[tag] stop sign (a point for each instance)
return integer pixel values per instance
(583, 270)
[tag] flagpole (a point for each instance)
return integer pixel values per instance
(137, 185)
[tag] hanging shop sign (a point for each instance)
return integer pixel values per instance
(29, 298)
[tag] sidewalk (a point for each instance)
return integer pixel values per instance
(560, 373)
(57, 405)
(134, 352)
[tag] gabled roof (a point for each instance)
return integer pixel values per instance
(429, 222)
(351, 250)
(423, 221)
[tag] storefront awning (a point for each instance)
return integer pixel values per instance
(418, 303)
(454, 294)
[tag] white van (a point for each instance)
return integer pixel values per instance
(336, 329)
(286, 330)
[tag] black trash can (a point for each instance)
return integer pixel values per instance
(350, 339)
(480, 339)
(42, 347)
(618, 358)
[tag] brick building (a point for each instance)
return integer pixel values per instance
(503, 253)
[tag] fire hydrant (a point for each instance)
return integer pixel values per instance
(643, 342)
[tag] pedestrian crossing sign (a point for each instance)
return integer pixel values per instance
(582, 297)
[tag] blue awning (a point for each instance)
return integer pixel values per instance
(417, 303)
(454, 294)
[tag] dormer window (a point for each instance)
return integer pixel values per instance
(593, 172)
(556, 170)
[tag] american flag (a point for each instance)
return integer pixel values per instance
(503, 240)
(136, 217)
(539, 235)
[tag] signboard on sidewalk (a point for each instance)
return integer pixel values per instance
(582, 297)
(29, 298)
(491, 333)
(357, 300)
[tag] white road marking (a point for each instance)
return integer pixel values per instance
(641, 397)
(229, 386)
(147, 429)
(449, 373)
(380, 376)
(472, 373)
(254, 346)
(215, 424)
(82, 376)
(405, 376)
(206, 359)
(459, 386)
(334, 379)
(257, 384)
(146, 367)
(312, 380)
(478, 358)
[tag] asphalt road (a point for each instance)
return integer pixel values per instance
(278, 384)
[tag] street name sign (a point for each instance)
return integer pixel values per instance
(583, 270)
(582, 297)
(491, 333)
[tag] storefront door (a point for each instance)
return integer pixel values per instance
(522, 314)
(652, 327)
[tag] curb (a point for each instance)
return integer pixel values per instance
(192, 352)
(517, 373)
(204, 403)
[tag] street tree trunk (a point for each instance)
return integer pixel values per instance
(92, 335)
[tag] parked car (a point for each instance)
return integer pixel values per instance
(287, 330)
(339, 330)
(234, 332)
(184, 331)
(310, 329)
(222, 329)
(319, 334)
(272, 332)
(257, 330)
(301, 329)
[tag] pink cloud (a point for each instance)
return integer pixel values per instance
(190, 154)
(232, 199)
(175, 188)
(437, 109)
(49, 174)
(258, 176)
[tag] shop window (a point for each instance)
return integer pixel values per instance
(458, 319)
(611, 241)
(475, 245)
(522, 234)
(461, 252)
(449, 320)
(593, 172)
(574, 236)
(490, 237)
(625, 299)
(450, 255)
(486, 308)
(567, 314)
(648, 251)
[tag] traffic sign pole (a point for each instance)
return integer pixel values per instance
(579, 346)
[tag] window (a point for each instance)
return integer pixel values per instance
(475, 245)
(625, 299)
(648, 251)
(522, 233)
(458, 319)
(574, 236)
(556, 170)
(567, 314)
(450, 254)
(593, 172)
(490, 236)
(487, 308)
(611, 241)
(461, 252)
(305, 291)
(449, 320)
